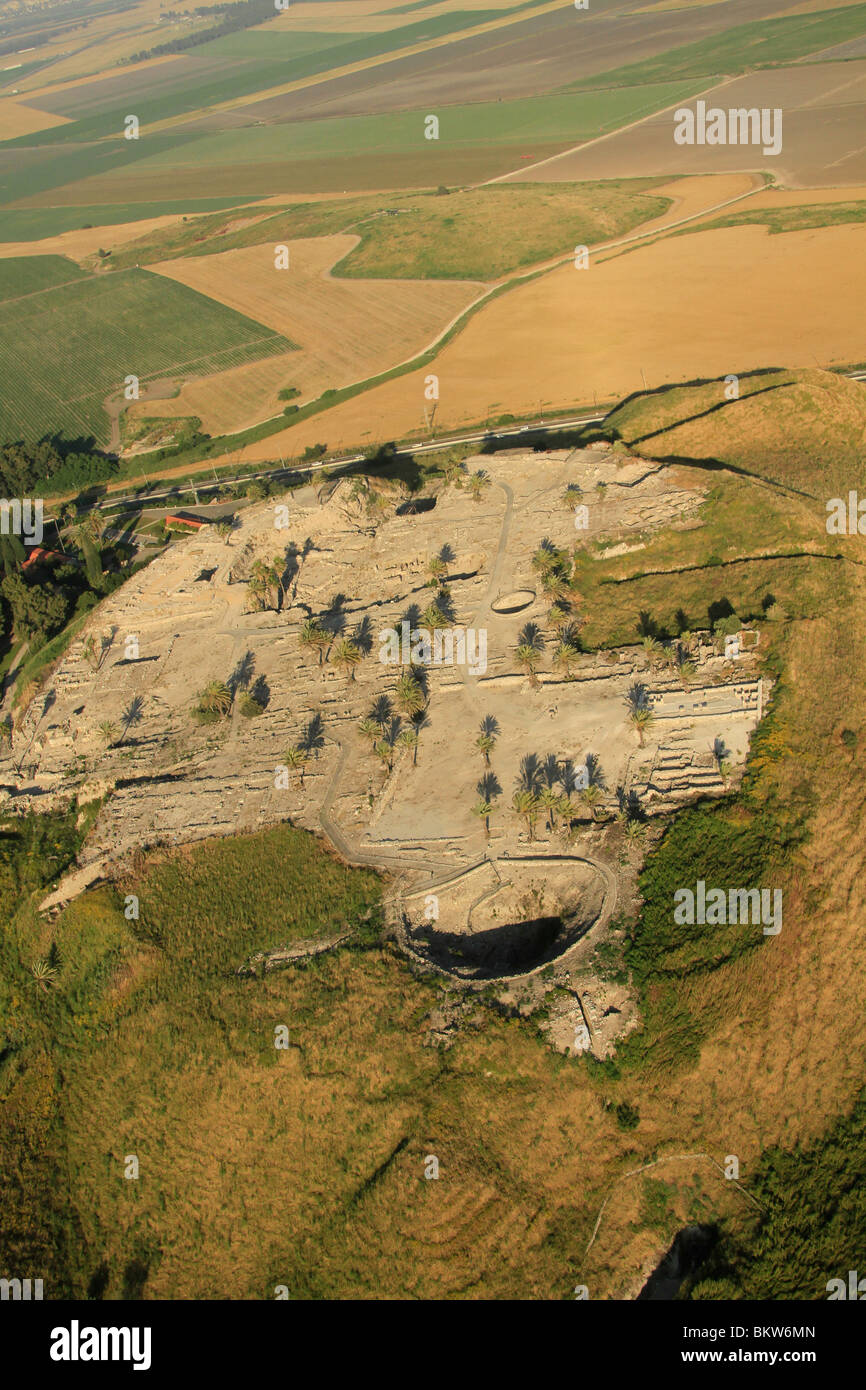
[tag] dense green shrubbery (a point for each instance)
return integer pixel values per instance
(813, 1228)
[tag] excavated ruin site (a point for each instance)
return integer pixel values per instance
(478, 901)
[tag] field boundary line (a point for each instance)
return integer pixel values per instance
(608, 135)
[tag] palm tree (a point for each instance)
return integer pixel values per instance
(528, 652)
(346, 656)
(433, 617)
(408, 694)
(571, 497)
(452, 471)
(381, 711)
(641, 717)
(437, 570)
(408, 738)
(384, 750)
(565, 656)
(550, 799)
(686, 667)
(527, 657)
(131, 716)
(485, 743)
(295, 759)
(525, 803)
(264, 580)
(722, 755)
(108, 731)
(559, 614)
(654, 649)
(478, 484)
(224, 529)
(43, 973)
(216, 698)
(370, 729)
(312, 635)
(555, 584)
(257, 590)
(419, 722)
(484, 810)
(591, 796)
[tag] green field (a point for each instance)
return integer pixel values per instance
(563, 118)
(31, 224)
(476, 234)
(199, 83)
(63, 351)
(23, 275)
(768, 42)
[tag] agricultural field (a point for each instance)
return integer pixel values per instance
(95, 324)
(345, 330)
(648, 314)
(824, 108)
(24, 275)
(38, 224)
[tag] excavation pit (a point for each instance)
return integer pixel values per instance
(514, 602)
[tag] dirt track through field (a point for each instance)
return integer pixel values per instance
(346, 329)
(703, 304)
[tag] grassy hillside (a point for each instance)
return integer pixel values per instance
(474, 234)
(804, 430)
(147, 1042)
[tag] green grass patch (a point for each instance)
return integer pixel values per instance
(32, 224)
(812, 1229)
(480, 233)
(765, 43)
(209, 909)
(62, 352)
(23, 275)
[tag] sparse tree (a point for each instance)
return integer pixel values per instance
(477, 485)
(565, 657)
(484, 810)
(526, 804)
(216, 698)
(313, 636)
(408, 738)
(408, 694)
(346, 656)
(295, 759)
(485, 743)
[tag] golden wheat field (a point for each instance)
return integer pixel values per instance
(17, 118)
(693, 305)
(346, 329)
